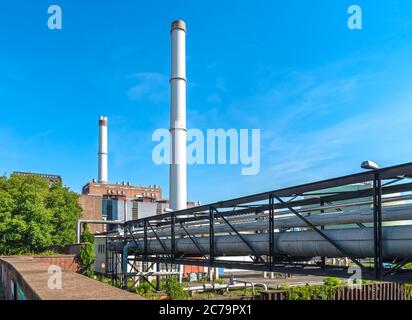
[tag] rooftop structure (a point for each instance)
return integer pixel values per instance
(52, 178)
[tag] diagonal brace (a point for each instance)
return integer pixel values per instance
(323, 235)
(258, 256)
(192, 238)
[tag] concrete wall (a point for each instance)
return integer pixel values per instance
(25, 278)
(14, 285)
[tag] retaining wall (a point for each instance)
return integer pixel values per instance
(28, 278)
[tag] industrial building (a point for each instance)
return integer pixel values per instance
(52, 178)
(123, 189)
(121, 201)
(292, 230)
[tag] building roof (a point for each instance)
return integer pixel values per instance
(50, 177)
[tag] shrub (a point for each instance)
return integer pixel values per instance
(144, 288)
(175, 290)
(333, 282)
(87, 252)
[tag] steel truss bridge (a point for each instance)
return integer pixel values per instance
(364, 217)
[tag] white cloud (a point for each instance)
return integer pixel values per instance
(151, 86)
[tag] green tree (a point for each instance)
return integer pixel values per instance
(87, 255)
(66, 212)
(34, 215)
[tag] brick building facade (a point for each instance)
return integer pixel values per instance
(92, 210)
(122, 190)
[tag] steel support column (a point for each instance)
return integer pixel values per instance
(322, 203)
(211, 236)
(173, 236)
(145, 240)
(271, 232)
(377, 225)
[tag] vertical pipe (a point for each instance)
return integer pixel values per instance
(178, 176)
(102, 153)
(78, 231)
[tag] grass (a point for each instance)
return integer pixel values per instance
(47, 253)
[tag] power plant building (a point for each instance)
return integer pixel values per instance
(124, 189)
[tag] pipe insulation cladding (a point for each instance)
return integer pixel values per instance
(397, 243)
(102, 153)
(178, 174)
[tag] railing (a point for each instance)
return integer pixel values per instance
(375, 291)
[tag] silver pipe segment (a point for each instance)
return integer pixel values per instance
(397, 243)
(83, 221)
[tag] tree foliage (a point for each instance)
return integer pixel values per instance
(87, 255)
(35, 214)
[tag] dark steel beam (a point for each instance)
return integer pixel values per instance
(365, 193)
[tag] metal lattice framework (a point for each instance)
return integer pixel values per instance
(301, 202)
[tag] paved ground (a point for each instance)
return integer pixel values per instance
(271, 283)
(74, 285)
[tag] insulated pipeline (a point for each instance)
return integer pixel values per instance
(393, 213)
(397, 243)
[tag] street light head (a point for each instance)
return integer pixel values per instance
(369, 165)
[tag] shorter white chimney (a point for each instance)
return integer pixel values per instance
(102, 154)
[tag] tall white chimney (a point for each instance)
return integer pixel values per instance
(102, 153)
(178, 176)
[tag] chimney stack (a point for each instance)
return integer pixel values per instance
(102, 153)
(178, 176)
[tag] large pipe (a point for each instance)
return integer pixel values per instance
(393, 213)
(102, 153)
(397, 243)
(178, 175)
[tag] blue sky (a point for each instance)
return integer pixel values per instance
(325, 97)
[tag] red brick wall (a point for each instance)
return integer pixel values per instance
(67, 262)
(92, 210)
